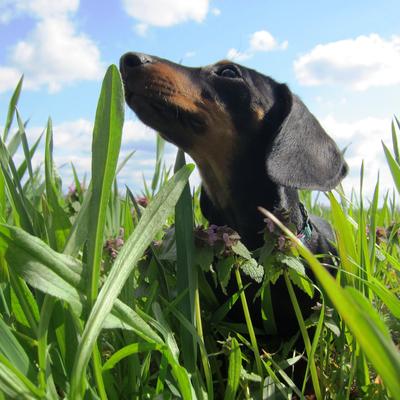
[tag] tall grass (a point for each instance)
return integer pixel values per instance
(105, 296)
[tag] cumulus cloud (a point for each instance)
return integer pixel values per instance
(8, 78)
(10, 9)
(72, 143)
(360, 63)
(260, 41)
(141, 29)
(136, 131)
(363, 141)
(236, 55)
(54, 54)
(165, 13)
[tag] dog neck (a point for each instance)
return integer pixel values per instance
(242, 213)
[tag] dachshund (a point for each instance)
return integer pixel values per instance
(255, 144)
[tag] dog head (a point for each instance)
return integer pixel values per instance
(220, 111)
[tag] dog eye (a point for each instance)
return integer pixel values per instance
(228, 72)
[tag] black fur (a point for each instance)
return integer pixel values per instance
(271, 143)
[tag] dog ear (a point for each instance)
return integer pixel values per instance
(302, 155)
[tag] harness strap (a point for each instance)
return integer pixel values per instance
(305, 233)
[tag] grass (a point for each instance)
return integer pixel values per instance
(104, 296)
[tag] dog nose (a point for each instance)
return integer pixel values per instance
(132, 60)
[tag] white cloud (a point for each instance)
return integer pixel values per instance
(260, 41)
(73, 135)
(8, 78)
(264, 41)
(72, 144)
(360, 63)
(216, 11)
(135, 131)
(165, 13)
(363, 138)
(10, 9)
(141, 29)
(54, 54)
(190, 54)
(236, 55)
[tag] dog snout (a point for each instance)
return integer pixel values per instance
(130, 61)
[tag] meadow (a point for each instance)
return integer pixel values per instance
(103, 295)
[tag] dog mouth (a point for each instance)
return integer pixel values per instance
(163, 114)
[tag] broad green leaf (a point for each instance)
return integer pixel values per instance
(366, 308)
(297, 272)
(252, 269)
(106, 144)
(127, 351)
(224, 270)
(391, 301)
(235, 365)
(13, 351)
(15, 385)
(345, 236)
(301, 281)
(60, 276)
(241, 250)
(151, 222)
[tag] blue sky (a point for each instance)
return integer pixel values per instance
(342, 58)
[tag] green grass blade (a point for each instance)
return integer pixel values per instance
(23, 166)
(395, 141)
(151, 222)
(374, 342)
(14, 143)
(186, 273)
(13, 351)
(106, 144)
(391, 301)
(14, 384)
(124, 161)
(59, 224)
(45, 315)
(11, 108)
(60, 276)
(373, 224)
(25, 146)
(79, 231)
(15, 193)
(20, 214)
(159, 157)
(128, 351)
(78, 186)
(345, 236)
(235, 365)
(25, 300)
(394, 167)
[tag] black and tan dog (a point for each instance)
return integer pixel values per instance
(254, 142)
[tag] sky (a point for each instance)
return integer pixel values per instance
(341, 57)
